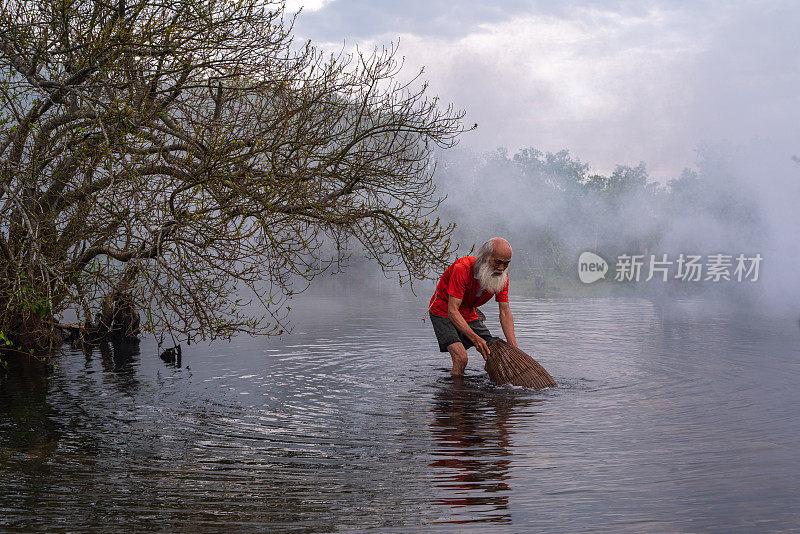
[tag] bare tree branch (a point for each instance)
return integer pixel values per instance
(194, 145)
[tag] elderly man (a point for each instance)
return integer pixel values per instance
(466, 284)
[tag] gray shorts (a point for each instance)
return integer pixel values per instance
(447, 333)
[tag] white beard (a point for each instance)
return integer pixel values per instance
(491, 280)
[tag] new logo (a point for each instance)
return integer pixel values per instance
(591, 267)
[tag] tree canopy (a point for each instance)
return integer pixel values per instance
(190, 156)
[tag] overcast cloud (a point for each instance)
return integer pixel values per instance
(613, 82)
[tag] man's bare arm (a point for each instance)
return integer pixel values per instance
(458, 320)
(507, 322)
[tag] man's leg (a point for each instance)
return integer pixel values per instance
(459, 355)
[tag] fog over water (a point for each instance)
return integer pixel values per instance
(703, 86)
(718, 207)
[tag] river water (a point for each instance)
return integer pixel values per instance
(676, 417)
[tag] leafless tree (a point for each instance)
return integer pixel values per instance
(183, 158)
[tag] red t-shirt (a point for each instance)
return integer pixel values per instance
(459, 281)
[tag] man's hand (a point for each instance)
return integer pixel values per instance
(482, 346)
(461, 324)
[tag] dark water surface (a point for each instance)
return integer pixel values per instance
(665, 419)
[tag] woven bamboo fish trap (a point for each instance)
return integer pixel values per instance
(508, 364)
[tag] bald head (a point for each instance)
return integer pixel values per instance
(500, 246)
(496, 246)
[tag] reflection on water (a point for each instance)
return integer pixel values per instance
(667, 418)
(473, 426)
(25, 423)
(119, 361)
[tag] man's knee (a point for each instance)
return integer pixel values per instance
(459, 355)
(457, 351)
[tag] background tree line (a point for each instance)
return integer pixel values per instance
(552, 208)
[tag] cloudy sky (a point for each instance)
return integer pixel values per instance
(615, 82)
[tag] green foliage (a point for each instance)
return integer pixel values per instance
(24, 316)
(4, 339)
